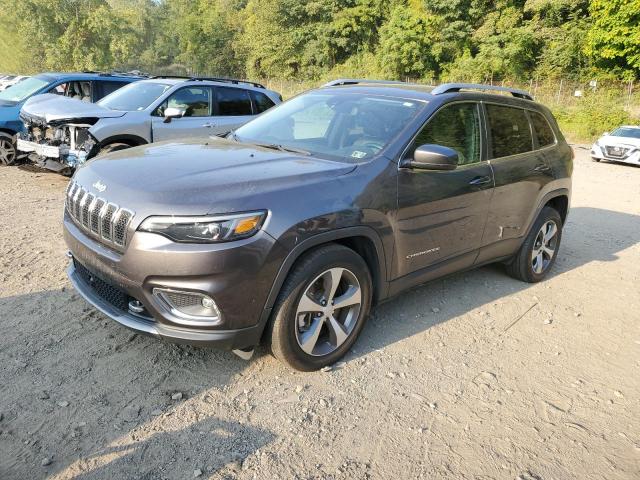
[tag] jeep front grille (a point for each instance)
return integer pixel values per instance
(96, 216)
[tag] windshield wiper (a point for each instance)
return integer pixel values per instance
(282, 148)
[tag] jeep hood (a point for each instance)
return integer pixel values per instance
(51, 108)
(197, 178)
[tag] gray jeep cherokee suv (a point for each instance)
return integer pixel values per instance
(292, 227)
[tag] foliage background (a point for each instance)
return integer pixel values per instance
(516, 42)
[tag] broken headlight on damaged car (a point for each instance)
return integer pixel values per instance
(206, 229)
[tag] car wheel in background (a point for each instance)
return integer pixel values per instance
(8, 152)
(539, 251)
(321, 309)
(112, 147)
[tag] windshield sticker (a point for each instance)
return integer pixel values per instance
(358, 154)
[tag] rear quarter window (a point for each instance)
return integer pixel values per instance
(542, 130)
(510, 131)
(262, 102)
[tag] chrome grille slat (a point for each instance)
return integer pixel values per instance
(96, 216)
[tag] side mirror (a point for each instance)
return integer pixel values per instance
(173, 112)
(433, 157)
(605, 134)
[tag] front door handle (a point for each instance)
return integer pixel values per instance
(480, 181)
(208, 125)
(542, 168)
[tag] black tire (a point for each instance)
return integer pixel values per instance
(595, 159)
(8, 151)
(112, 147)
(285, 326)
(522, 265)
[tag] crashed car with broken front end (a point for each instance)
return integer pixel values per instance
(61, 133)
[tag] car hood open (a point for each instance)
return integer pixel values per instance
(51, 109)
(197, 178)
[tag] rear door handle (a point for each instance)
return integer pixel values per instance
(208, 125)
(480, 181)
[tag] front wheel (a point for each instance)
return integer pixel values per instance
(321, 309)
(539, 251)
(8, 152)
(595, 159)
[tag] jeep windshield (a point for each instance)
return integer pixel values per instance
(342, 126)
(22, 90)
(134, 97)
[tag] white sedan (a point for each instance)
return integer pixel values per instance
(621, 145)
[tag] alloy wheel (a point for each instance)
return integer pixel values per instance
(328, 311)
(544, 247)
(7, 151)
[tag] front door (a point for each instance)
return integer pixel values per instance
(442, 214)
(197, 122)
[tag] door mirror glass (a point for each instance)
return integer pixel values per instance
(173, 112)
(433, 157)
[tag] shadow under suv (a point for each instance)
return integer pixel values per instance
(292, 227)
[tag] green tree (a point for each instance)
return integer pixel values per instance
(614, 38)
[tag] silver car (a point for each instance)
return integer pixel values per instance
(621, 145)
(63, 133)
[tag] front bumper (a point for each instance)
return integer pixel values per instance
(599, 152)
(61, 154)
(238, 277)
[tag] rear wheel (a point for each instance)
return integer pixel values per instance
(539, 251)
(8, 152)
(321, 309)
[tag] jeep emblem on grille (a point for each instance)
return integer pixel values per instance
(101, 187)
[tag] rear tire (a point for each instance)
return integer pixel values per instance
(317, 319)
(8, 151)
(539, 251)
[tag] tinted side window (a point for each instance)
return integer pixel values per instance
(456, 126)
(105, 88)
(233, 102)
(510, 131)
(542, 130)
(262, 102)
(195, 101)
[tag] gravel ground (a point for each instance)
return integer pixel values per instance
(476, 376)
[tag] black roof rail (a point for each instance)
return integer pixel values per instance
(235, 81)
(211, 79)
(456, 87)
(177, 77)
(358, 81)
(116, 73)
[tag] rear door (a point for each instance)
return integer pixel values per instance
(197, 122)
(233, 109)
(520, 169)
(442, 214)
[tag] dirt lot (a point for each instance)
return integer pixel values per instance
(476, 376)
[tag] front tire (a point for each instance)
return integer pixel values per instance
(539, 251)
(321, 309)
(595, 159)
(8, 151)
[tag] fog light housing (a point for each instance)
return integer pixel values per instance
(190, 308)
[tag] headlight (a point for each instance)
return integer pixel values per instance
(206, 229)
